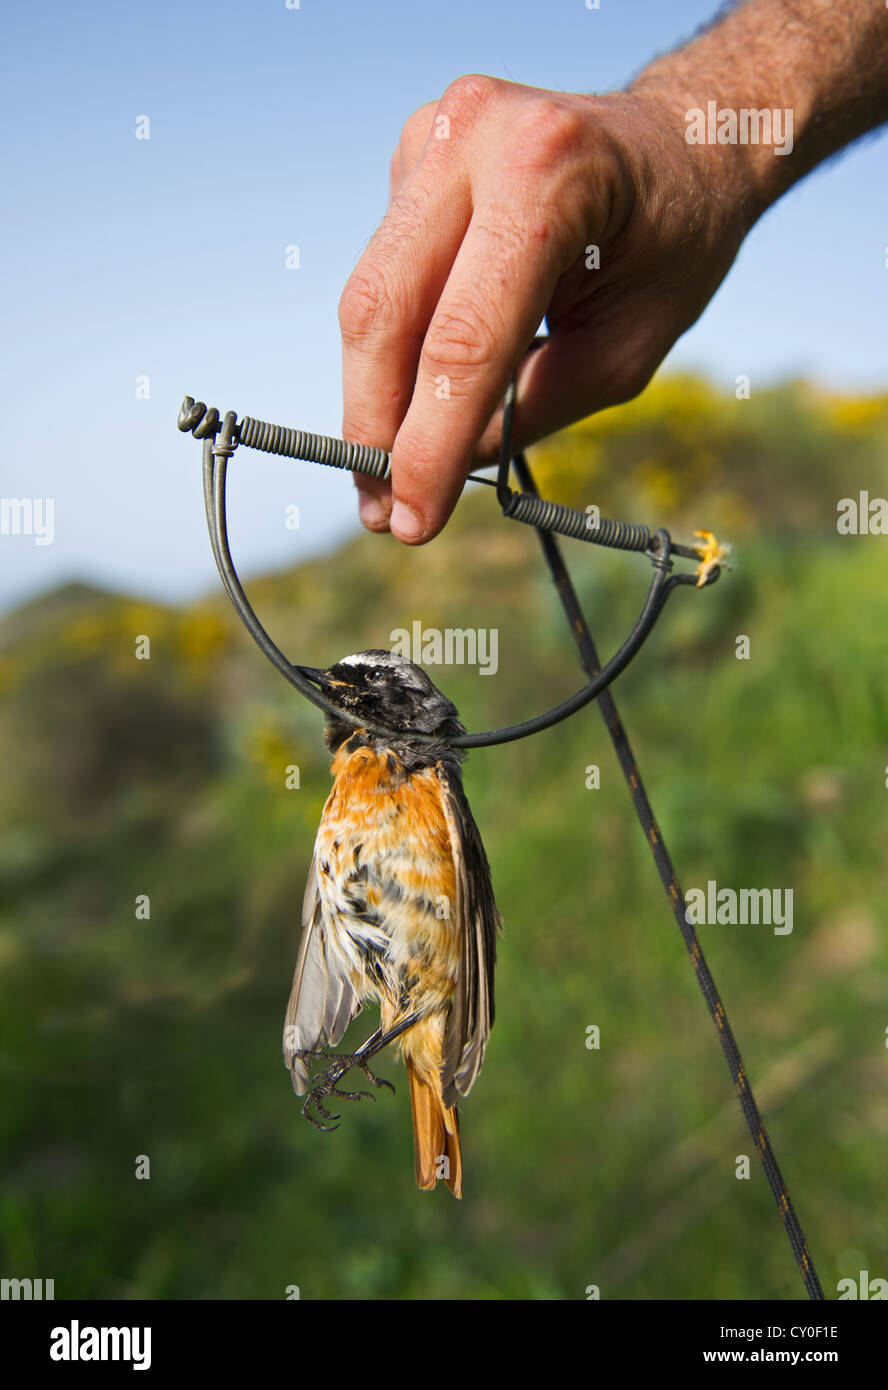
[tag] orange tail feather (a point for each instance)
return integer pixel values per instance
(436, 1149)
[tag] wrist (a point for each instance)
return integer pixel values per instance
(738, 180)
(690, 192)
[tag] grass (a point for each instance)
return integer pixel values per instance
(124, 1037)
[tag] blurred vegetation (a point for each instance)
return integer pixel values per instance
(122, 1037)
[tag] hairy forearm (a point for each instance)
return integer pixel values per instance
(823, 61)
(501, 192)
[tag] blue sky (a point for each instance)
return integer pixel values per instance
(272, 127)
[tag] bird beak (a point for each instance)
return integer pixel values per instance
(322, 679)
(311, 673)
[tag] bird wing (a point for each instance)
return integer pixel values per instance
(323, 1001)
(478, 921)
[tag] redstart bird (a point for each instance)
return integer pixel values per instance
(398, 908)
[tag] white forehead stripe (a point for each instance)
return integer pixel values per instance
(360, 659)
(408, 673)
(380, 658)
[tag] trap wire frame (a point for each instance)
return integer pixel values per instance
(549, 519)
(525, 506)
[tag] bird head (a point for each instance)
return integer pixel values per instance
(391, 692)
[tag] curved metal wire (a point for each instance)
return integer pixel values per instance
(527, 507)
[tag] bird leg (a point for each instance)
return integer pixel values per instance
(326, 1084)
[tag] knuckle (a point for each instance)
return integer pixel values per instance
(547, 132)
(468, 95)
(461, 336)
(367, 305)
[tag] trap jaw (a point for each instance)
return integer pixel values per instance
(525, 506)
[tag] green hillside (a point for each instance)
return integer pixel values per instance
(122, 1036)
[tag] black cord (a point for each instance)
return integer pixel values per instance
(606, 704)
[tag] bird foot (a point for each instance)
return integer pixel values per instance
(326, 1084)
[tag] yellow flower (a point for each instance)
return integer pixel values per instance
(712, 556)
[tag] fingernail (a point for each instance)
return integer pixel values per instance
(405, 523)
(372, 512)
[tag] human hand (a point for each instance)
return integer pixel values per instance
(508, 204)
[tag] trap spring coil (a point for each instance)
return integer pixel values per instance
(547, 518)
(313, 448)
(376, 463)
(568, 521)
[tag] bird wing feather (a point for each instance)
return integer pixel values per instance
(478, 922)
(322, 1000)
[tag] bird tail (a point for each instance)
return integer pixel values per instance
(436, 1149)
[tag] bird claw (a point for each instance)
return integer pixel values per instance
(326, 1084)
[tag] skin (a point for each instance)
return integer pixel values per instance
(488, 227)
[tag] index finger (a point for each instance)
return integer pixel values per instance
(387, 304)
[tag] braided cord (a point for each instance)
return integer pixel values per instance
(645, 813)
